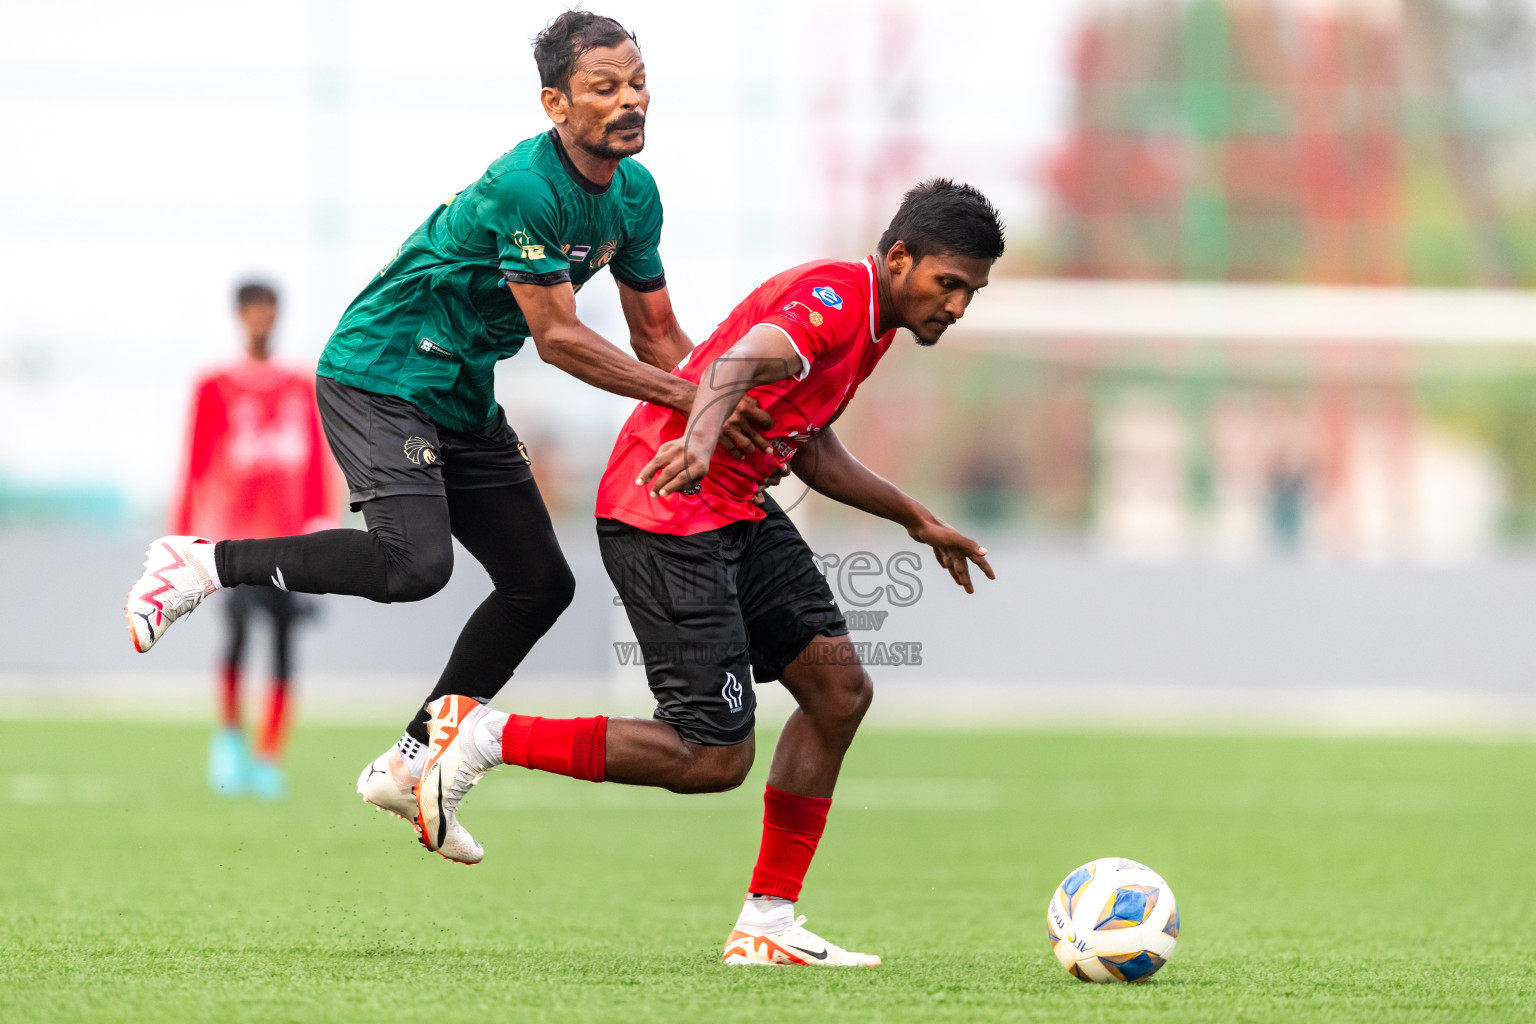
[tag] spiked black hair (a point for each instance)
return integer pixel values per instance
(941, 217)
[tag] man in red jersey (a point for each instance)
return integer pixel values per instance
(256, 466)
(721, 590)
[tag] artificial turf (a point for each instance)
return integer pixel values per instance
(1341, 880)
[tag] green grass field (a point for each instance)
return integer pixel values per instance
(1349, 880)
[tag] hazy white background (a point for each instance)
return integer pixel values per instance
(157, 151)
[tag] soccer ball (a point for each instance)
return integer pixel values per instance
(1113, 920)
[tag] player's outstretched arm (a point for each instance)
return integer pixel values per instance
(564, 341)
(829, 468)
(763, 356)
(654, 332)
(658, 339)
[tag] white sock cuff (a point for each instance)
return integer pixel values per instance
(202, 551)
(487, 736)
(764, 915)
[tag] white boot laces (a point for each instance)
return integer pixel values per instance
(184, 604)
(463, 781)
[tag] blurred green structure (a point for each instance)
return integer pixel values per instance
(1383, 143)
(1344, 419)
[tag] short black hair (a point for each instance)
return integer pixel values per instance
(566, 38)
(941, 217)
(250, 293)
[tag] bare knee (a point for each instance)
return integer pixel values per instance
(849, 695)
(841, 701)
(714, 769)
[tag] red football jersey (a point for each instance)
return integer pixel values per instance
(828, 310)
(257, 460)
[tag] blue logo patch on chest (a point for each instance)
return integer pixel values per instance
(828, 297)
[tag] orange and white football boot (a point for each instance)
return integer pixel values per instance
(174, 582)
(453, 767)
(794, 946)
(387, 784)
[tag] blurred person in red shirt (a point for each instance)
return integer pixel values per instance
(256, 466)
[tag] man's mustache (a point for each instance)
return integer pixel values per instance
(624, 122)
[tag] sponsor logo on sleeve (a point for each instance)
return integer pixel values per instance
(385, 268)
(605, 252)
(814, 317)
(828, 297)
(527, 246)
(432, 348)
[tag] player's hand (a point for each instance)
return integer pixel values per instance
(953, 550)
(779, 473)
(743, 431)
(676, 467)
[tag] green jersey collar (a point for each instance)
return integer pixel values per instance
(587, 184)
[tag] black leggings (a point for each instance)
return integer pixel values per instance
(406, 554)
(283, 611)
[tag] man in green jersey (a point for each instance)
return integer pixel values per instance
(406, 398)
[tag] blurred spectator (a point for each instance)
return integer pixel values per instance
(257, 466)
(1288, 493)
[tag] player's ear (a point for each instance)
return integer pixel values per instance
(897, 260)
(555, 104)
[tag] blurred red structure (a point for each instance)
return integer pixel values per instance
(1342, 143)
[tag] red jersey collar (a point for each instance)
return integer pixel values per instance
(874, 304)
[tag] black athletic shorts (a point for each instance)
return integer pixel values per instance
(716, 610)
(385, 445)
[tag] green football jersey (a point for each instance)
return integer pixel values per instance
(431, 326)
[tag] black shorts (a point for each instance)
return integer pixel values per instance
(716, 610)
(385, 445)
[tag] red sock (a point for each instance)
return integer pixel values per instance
(275, 732)
(229, 691)
(577, 747)
(792, 826)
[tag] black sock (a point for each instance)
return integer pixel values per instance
(406, 554)
(329, 562)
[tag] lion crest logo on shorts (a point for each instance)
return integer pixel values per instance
(420, 451)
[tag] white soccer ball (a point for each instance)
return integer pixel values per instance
(1113, 920)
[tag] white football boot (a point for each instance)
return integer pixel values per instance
(174, 583)
(794, 946)
(387, 785)
(453, 767)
